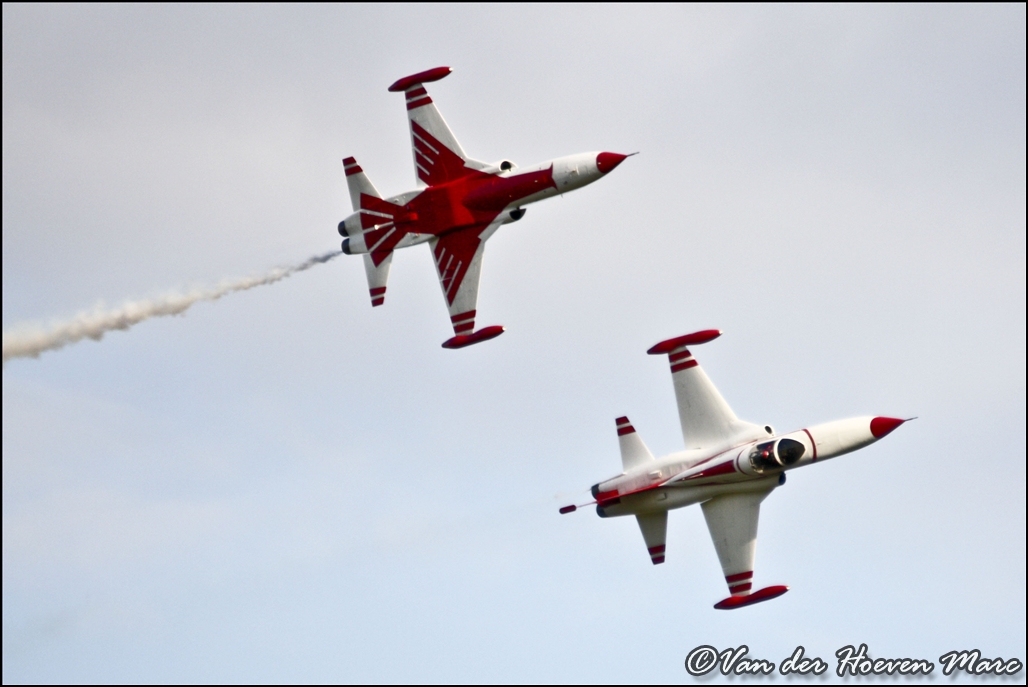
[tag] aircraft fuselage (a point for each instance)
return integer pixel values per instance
(689, 477)
(476, 199)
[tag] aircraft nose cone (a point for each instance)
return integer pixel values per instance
(880, 426)
(606, 162)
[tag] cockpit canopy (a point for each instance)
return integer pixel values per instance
(774, 455)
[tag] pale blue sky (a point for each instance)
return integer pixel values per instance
(287, 485)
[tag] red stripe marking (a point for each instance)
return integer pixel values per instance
(462, 328)
(622, 420)
(378, 291)
(735, 589)
(739, 576)
(707, 460)
(349, 161)
(812, 443)
(423, 147)
(722, 469)
(659, 548)
(684, 366)
(463, 315)
(377, 256)
(684, 353)
(622, 431)
(657, 560)
(414, 104)
(657, 485)
(356, 169)
(377, 301)
(415, 92)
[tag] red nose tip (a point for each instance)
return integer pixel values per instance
(880, 426)
(606, 162)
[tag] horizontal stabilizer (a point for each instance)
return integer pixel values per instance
(358, 183)
(654, 531)
(378, 275)
(633, 450)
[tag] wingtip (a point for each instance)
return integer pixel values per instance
(426, 76)
(765, 594)
(484, 334)
(694, 339)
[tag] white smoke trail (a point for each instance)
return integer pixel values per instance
(28, 340)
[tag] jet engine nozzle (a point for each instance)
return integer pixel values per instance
(354, 243)
(350, 226)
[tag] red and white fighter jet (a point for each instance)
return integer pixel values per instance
(458, 205)
(729, 467)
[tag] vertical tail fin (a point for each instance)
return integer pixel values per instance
(358, 183)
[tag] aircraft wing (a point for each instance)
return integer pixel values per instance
(458, 262)
(438, 157)
(435, 162)
(732, 521)
(707, 420)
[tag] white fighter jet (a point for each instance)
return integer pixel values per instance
(729, 467)
(458, 205)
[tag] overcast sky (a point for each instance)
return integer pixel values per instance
(288, 485)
